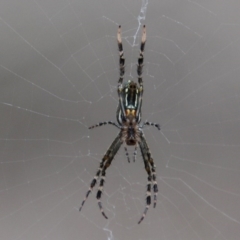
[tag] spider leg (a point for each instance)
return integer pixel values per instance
(140, 69)
(93, 183)
(121, 57)
(135, 154)
(148, 161)
(127, 154)
(108, 157)
(157, 125)
(104, 123)
(121, 70)
(153, 166)
(148, 194)
(141, 57)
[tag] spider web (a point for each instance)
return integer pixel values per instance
(59, 72)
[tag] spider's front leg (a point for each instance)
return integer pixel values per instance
(121, 71)
(121, 57)
(140, 69)
(141, 57)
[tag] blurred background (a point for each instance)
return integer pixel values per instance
(58, 76)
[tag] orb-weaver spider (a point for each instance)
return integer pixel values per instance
(128, 118)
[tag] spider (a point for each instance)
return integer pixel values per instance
(128, 121)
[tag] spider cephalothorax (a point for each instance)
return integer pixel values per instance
(128, 117)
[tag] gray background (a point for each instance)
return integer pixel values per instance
(58, 75)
